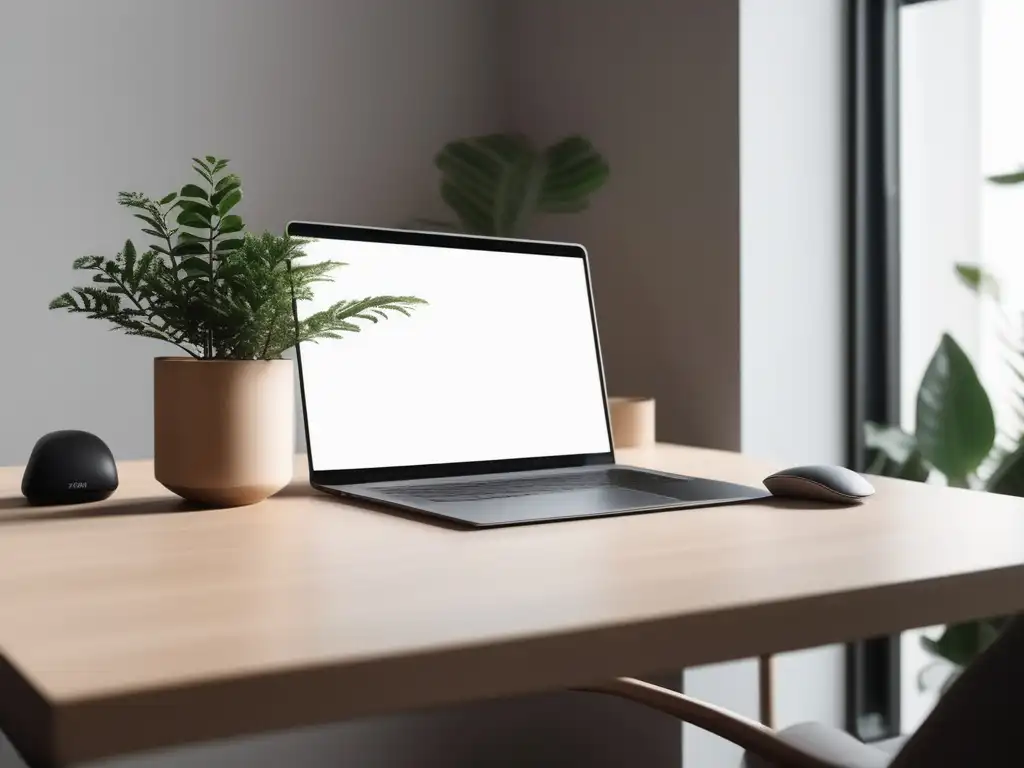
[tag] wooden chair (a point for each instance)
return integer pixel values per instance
(809, 745)
(976, 723)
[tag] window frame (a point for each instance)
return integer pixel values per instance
(873, 666)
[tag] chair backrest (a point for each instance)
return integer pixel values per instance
(978, 722)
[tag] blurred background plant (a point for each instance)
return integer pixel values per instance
(956, 440)
(495, 184)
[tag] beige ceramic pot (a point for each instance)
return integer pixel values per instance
(224, 431)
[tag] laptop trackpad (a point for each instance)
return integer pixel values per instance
(588, 502)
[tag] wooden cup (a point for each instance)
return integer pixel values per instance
(632, 421)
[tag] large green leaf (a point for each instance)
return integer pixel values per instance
(494, 183)
(490, 181)
(960, 644)
(229, 201)
(575, 171)
(230, 224)
(955, 424)
(193, 190)
(1008, 478)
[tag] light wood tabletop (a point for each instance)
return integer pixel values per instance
(138, 623)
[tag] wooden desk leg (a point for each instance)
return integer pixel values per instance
(766, 688)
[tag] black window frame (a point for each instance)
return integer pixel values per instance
(873, 665)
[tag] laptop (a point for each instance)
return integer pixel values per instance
(484, 405)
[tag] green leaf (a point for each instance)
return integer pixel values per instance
(914, 468)
(577, 170)
(211, 159)
(474, 217)
(191, 218)
(157, 225)
(168, 198)
(64, 301)
(895, 453)
(193, 190)
(960, 644)
(230, 224)
(229, 201)
(201, 163)
(494, 183)
(195, 265)
(231, 244)
(1016, 177)
(190, 248)
(1008, 477)
(129, 256)
(978, 280)
(230, 181)
(197, 206)
(955, 423)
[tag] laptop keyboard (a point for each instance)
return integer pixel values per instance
(505, 487)
(499, 488)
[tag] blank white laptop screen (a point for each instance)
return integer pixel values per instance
(501, 363)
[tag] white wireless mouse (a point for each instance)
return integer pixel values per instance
(819, 483)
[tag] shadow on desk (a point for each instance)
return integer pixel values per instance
(15, 509)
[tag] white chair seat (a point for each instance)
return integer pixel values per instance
(832, 747)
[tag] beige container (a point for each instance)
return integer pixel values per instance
(224, 430)
(632, 421)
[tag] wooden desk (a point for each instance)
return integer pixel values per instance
(133, 624)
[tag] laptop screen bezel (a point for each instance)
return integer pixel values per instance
(335, 477)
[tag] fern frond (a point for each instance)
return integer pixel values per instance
(209, 288)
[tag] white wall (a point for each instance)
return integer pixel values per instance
(329, 110)
(940, 202)
(792, 275)
(940, 182)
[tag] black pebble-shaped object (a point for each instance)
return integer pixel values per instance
(69, 467)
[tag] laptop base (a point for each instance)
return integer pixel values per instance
(483, 501)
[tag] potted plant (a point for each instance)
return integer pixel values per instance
(224, 410)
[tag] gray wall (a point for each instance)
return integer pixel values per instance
(664, 234)
(329, 110)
